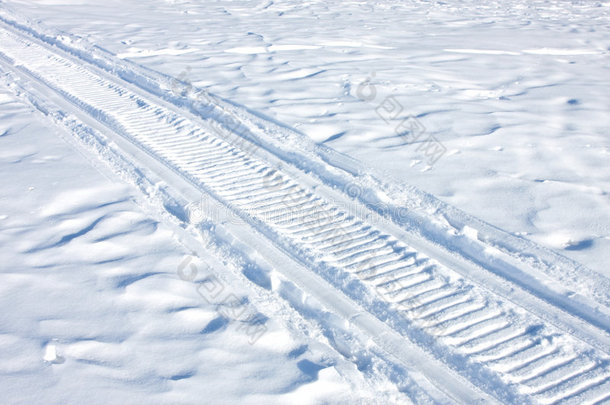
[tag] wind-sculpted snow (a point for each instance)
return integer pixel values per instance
(479, 315)
(94, 309)
(516, 91)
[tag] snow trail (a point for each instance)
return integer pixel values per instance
(512, 343)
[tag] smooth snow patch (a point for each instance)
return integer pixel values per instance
(483, 51)
(562, 52)
(141, 52)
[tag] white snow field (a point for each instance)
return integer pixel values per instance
(305, 202)
(95, 311)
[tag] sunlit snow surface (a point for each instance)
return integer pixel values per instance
(94, 310)
(517, 92)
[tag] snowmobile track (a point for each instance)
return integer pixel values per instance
(504, 347)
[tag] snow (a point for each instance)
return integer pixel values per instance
(517, 92)
(95, 310)
(499, 109)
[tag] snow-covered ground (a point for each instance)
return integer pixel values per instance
(499, 109)
(517, 92)
(95, 310)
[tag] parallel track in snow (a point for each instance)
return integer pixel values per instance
(506, 348)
